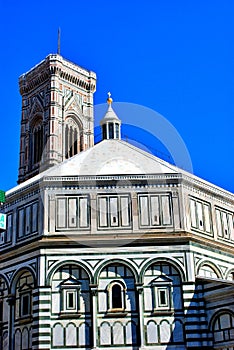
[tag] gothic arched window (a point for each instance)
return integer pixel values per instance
(37, 142)
(72, 138)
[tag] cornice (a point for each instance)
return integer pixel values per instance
(135, 182)
(58, 66)
(117, 240)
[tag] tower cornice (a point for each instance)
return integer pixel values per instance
(55, 64)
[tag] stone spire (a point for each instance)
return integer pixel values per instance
(110, 123)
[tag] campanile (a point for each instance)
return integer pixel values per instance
(57, 114)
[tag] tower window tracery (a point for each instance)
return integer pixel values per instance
(73, 138)
(37, 142)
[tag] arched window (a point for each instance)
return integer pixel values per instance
(223, 330)
(23, 296)
(72, 138)
(37, 142)
(116, 297)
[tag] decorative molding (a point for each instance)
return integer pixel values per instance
(10, 274)
(223, 269)
(56, 65)
(34, 266)
(50, 263)
(180, 259)
(93, 262)
(197, 260)
(138, 261)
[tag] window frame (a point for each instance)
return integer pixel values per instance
(70, 286)
(26, 216)
(65, 210)
(105, 214)
(112, 309)
(158, 285)
(25, 291)
(201, 224)
(220, 224)
(155, 220)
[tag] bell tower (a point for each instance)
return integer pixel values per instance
(57, 114)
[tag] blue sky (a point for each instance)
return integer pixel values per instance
(173, 56)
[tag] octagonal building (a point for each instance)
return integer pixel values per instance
(108, 246)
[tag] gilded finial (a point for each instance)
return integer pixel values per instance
(109, 99)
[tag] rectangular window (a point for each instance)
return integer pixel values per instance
(155, 210)
(200, 215)
(166, 214)
(83, 207)
(61, 212)
(114, 211)
(218, 222)
(9, 227)
(231, 226)
(114, 215)
(193, 213)
(144, 211)
(102, 212)
(72, 214)
(163, 297)
(21, 223)
(125, 215)
(207, 218)
(71, 300)
(111, 130)
(224, 224)
(25, 304)
(34, 217)
(117, 131)
(28, 220)
(155, 214)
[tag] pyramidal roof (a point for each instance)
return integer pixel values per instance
(114, 157)
(111, 157)
(110, 116)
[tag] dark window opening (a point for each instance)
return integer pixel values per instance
(71, 301)
(111, 131)
(104, 135)
(117, 130)
(71, 141)
(37, 143)
(117, 297)
(25, 306)
(162, 297)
